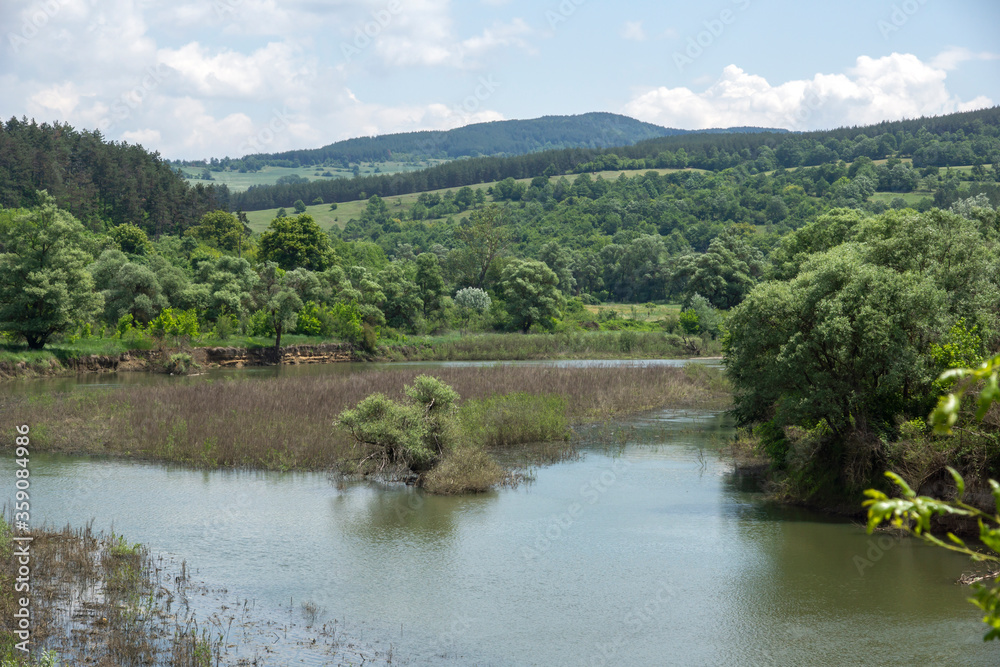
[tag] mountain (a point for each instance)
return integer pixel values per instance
(941, 141)
(496, 138)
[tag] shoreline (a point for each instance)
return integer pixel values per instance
(159, 360)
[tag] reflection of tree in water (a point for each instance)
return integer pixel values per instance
(805, 578)
(404, 516)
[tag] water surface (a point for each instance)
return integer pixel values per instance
(645, 555)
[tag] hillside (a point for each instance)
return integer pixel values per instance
(955, 139)
(505, 137)
(102, 183)
(416, 151)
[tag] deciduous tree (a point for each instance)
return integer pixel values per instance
(45, 287)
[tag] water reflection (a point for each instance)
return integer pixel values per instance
(643, 553)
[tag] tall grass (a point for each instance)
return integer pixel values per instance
(288, 423)
(564, 345)
(98, 600)
(511, 419)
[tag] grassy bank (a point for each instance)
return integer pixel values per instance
(285, 424)
(17, 361)
(565, 345)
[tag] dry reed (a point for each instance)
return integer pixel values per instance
(288, 423)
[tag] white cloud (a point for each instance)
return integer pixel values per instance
(875, 89)
(633, 31)
(271, 70)
(422, 35)
(951, 58)
(59, 100)
(499, 35)
(147, 138)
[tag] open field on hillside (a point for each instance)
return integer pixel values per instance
(636, 311)
(238, 182)
(326, 218)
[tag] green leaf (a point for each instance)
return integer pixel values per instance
(946, 413)
(959, 482)
(955, 373)
(898, 481)
(989, 536)
(987, 396)
(995, 490)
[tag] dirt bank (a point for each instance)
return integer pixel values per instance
(155, 361)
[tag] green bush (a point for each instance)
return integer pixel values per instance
(174, 322)
(689, 322)
(225, 326)
(414, 434)
(388, 433)
(260, 324)
(180, 364)
(308, 322)
(465, 470)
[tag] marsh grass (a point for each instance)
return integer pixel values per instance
(503, 420)
(563, 345)
(288, 423)
(468, 469)
(96, 599)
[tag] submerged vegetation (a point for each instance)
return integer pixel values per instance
(97, 599)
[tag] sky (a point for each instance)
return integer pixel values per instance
(194, 79)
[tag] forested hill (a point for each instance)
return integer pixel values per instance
(964, 138)
(498, 138)
(104, 184)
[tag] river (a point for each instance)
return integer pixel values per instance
(650, 553)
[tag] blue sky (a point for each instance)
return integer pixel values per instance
(202, 78)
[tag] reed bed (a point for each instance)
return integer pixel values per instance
(98, 600)
(564, 345)
(288, 423)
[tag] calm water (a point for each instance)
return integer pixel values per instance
(649, 555)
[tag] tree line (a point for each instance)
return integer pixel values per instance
(970, 138)
(102, 183)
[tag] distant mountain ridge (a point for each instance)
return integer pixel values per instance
(494, 138)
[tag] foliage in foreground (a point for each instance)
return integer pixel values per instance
(914, 513)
